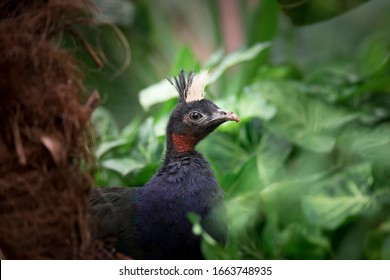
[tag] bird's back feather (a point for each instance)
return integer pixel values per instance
(114, 217)
(152, 222)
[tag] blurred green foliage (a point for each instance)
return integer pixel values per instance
(311, 11)
(306, 171)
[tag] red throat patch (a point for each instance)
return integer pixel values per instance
(183, 143)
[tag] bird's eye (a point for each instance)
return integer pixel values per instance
(195, 116)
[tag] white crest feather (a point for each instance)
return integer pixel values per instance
(196, 91)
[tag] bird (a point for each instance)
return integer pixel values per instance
(151, 222)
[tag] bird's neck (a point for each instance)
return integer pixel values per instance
(180, 144)
(180, 147)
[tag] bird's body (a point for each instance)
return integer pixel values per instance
(151, 222)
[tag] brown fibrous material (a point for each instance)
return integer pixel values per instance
(45, 147)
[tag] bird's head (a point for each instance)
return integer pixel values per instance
(194, 117)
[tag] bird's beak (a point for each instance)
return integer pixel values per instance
(223, 116)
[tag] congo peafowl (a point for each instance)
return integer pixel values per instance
(151, 222)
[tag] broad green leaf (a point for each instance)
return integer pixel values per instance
(104, 123)
(268, 72)
(198, 230)
(126, 138)
(185, 60)
(249, 135)
(262, 26)
(246, 180)
(285, 195)
(375, 57)
(376, 140)
(106, 146)
(309, 12)
(161, 125)
(215, 58)
(243, 211)
(130, 131)
(195, 220)
(225, 155)
(219, 252)
(321, 143)
(123, 166)
(343, 196)
(156, 93)
(290, 99)
(332, 82)
(251, 105)
(305, 121)
(149, 146)
(370, 144)
(237, 58)
(271, 155)
(303, 241)
(330, 212)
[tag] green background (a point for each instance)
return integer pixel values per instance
(306, 171)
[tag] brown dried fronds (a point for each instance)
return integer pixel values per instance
(45, 147)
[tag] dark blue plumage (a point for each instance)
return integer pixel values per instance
(151, 222)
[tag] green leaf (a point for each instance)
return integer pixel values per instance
(272, 153)
(148, 143)
(224, 153)
(219, 252)
(263, 22)
(130, 130)
(215, 58)
(185, 60)
(104, 123)
(246, 180)
(198, 230)
(300, 241)
(370, 144)
(284, 196)
(304, 120)
(195, 220)
(329, 213)
(345, 195)
(238, 57)
(262, 26)
(309, 12)
(123, 166)
(156, 93)
(242, 211)
(251, 105)
(374, 57)
(161, 125)
(126, 138)
(320, 143)
(109, 145)
(268, 72)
